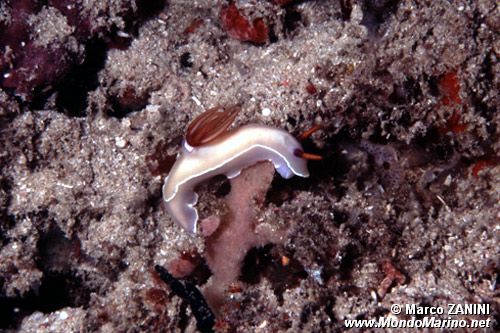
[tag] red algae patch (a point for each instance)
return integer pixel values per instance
(193, 26)
(238, 27)
(449, 87)
(482, 164)
(391, 275)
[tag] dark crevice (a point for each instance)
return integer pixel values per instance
(441, 147)
(224, 188)
(266, 262)
(333, 167)
(307, 312)
(376, 12)
(59, 286)
(72, 92)
(56, 253)
(149, 8)
(56, 291)
(349, 254)
(256, 260)
(377, 135)
(273, 38)
(186, 60)
(346, 9)
(292, 20)
(7, 221)
(406, 93)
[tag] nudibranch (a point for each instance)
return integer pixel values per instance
(210, 149)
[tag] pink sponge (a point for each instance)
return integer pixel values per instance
(227, 246)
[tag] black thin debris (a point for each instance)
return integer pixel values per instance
(205, 318)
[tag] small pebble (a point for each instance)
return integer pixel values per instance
(120, 142)
(266, 112)
(63, 315)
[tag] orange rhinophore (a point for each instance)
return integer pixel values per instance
(309, 132)
(302, 137)
(307, 156)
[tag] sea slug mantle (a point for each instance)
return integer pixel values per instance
(227, 153)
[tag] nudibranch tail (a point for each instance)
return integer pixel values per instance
(210, 125)
(284, 171)
(181, 208)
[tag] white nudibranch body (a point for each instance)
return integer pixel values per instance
(228, 155)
